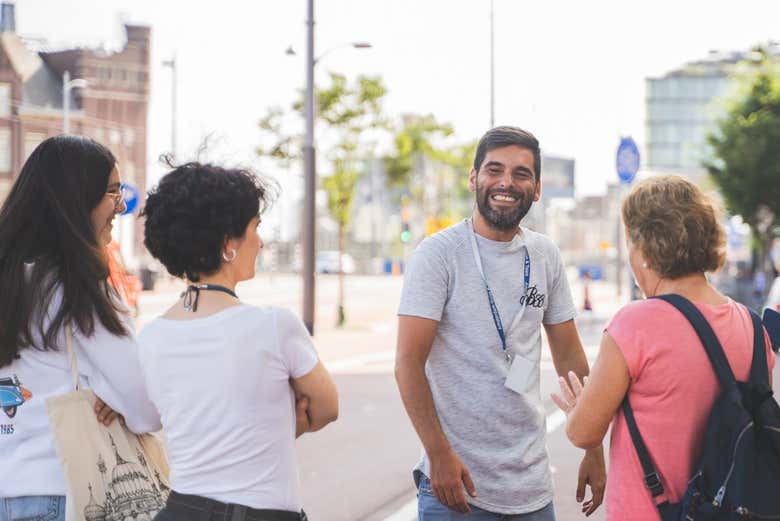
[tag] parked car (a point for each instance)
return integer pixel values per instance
(328, 262)
(12, 395)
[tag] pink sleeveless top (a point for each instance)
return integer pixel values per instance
(673, 388)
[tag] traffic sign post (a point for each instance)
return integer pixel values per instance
(627, 165)
(627, 161)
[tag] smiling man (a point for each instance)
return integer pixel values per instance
(469, 343)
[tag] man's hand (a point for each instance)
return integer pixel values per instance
(448, 478)
(302, 420)
(592, 473)
(105, 414)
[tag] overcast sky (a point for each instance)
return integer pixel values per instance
(572, 72)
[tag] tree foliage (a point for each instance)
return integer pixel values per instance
(347, 116)
(414, 140)
(746, 149)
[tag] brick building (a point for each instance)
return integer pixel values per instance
(111, 109)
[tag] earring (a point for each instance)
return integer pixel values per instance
(232, 255)
(644, 265)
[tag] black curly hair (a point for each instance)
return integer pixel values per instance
(195, 209)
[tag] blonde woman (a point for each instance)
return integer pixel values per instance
(650, 352)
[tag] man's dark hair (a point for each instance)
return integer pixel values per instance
(48, 241)
(194, 210)
(500, 137)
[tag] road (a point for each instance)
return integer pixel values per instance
(359, 468)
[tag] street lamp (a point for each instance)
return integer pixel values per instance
(290, 51)
(492, 71)
(309, 168)
(174, 83)
(67, 85)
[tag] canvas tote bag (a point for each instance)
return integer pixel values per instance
(111, 473)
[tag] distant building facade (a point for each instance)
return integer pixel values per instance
(111, 109)
(681, 109)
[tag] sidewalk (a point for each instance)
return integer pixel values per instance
(371, 307)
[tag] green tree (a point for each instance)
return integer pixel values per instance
(340, 187)
(746, 153)
(461, 158)
(414, 141)
(349, 118)
(420, 144)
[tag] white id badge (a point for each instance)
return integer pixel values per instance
(519, 376)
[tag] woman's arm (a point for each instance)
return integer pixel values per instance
(590, 409)
(113, 368)
(323, 400)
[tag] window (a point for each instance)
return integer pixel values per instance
(129, 137)
(5, 150)
(128, 172)
(5, 100)
(32, 140)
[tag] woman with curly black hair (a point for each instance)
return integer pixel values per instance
(234, 384)
(55, 225)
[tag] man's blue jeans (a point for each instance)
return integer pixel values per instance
(430, 509)
(32, 508)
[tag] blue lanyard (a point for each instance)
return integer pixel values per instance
(492, 301)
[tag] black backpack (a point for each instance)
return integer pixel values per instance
(738, 475)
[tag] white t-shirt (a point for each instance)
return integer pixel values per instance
(107, 364)
(221, 384)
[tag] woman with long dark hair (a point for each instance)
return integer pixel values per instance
(54, 228)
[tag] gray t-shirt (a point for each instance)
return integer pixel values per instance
(498, 434)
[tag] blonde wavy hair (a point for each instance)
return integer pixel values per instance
(675, 226)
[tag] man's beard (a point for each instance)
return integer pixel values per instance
(503, 219)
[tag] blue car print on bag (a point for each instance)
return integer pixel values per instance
(12, 395)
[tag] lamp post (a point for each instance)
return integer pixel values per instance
(174, 87)
(308, 235)
(68, 85)
(492, 71)
(309, 178)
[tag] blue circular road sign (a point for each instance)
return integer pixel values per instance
(131, 195)
(627, 160)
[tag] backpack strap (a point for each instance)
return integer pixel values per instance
(709, 340)
(652, 479)
(719, 363)
(759, 371)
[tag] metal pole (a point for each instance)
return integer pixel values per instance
(174, 92)
(374, 204)
(66, 102)
(174, 89)
(620, 267)
(310, 179)
(619, 258)
(492, 72)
